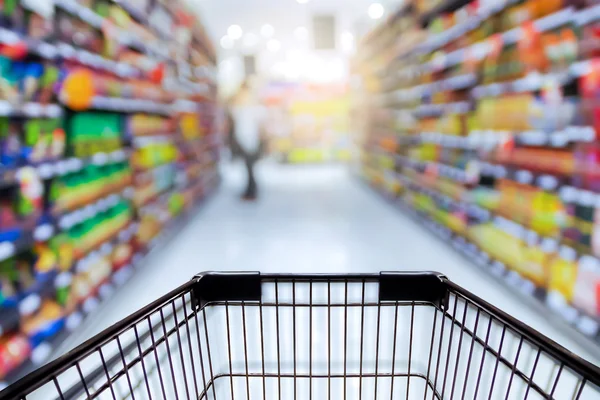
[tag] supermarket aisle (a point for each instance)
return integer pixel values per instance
(310, 219)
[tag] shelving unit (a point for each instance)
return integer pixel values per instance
(76, 115)
(479, 118)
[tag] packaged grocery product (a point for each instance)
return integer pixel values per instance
(145, 124)
(553, 113)
(10, 228)
(586, 293)
(122, 255)
(552, 161)
(12, 15)
(93, 132)
(563, 273)
(499, 244)
(43, 324)
(587, 166)
(30, 199)
(78, 33)
(78, 88)
(15, 349)
(547, 213)
(536, 265)
(12, 152)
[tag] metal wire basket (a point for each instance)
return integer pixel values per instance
(266, 336)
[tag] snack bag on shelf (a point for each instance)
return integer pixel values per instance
(563, 274)
(536, 263)
(547, 214)
(43, 324)
(122, 255)
(30, 193)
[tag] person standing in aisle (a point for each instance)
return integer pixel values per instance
(247, 118)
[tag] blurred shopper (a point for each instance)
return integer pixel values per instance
(232, 143)
(247, 122)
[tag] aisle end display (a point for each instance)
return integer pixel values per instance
(108, 134)
(308, 123)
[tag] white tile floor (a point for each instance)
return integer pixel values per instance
(308, 219)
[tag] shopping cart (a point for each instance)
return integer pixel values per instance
(266, 336)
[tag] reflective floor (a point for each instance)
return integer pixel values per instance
(307, 219)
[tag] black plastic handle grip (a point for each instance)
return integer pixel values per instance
(393, 286)
(226, 286)
(429, 287)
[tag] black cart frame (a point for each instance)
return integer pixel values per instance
(393, 335)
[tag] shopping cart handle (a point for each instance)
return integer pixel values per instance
(427, 287)
(226, 286)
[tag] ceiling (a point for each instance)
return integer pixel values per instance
(285, 16)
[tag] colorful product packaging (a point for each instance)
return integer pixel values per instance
(563, 273)
(586, 293)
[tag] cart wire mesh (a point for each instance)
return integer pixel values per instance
(256, 336)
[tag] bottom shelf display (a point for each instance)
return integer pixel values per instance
(542, 268)
(60, 299)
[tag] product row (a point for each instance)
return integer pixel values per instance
(482, 116)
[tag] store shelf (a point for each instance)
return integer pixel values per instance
(158, 197)
(34, 46)
(462, 28)
(446, 171)
(97, 61)
(98, 22)
(490, 139)
(30, 110)
(51, 169)
(585, 324)
(444, 6)
(458, 82)
(105, 248)
(146, 140)
(82, 12)
(432, 110)
(26, 240)
(533, 180)
(532, 82)
(100, 294)
(42, 353)
(481, 49)
(573, 134)
(49, 223)
(130, 105)
(554, 302)
(135, 13)
(69, 219)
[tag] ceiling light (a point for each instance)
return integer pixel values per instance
(301, 33)
(273, 45)
(347, 42)
(267, 30)
(226, 42)
(376, 10)
(235, 32)
(250, 40)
